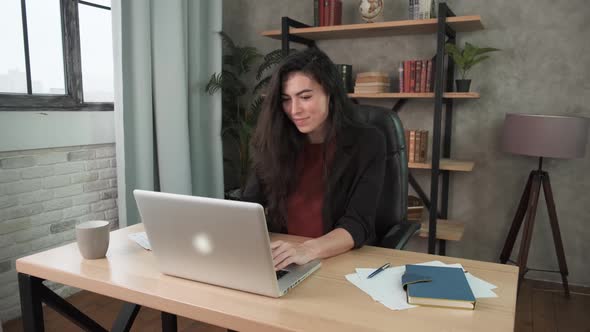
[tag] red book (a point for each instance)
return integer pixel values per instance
(323, 4)
(333, 12)
(412, 146)
(418, 74)
(407, 76)
(412, 75)
(337, 13)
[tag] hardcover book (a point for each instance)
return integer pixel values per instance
(423, 145)
(412, 146)
(401, 77)
(438, 286)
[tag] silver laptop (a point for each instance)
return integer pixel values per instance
(215, 241)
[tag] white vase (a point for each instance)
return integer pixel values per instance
(371, 10)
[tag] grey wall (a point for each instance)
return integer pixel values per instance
(543, 68)
(44, 193)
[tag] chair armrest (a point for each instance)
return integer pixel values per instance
(399, 235)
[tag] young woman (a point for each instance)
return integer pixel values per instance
(318, 171)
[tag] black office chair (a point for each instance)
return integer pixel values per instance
(396, 232)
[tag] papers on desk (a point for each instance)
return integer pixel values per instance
(141, 239)
(386, 287)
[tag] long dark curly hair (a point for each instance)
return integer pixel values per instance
(277, 142)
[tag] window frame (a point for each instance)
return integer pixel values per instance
(74, 99)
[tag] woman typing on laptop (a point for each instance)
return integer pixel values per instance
(317, 170)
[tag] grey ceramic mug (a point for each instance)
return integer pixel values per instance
(93, 238)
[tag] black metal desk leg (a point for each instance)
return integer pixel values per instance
(30, 303)
(169, 322)
(126, 317)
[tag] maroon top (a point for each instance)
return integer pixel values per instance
(304, 205)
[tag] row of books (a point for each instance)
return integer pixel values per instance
(416, 76)
(415, 208)
(422, 9)
(417, 145)
(371, 82)
(327, 12)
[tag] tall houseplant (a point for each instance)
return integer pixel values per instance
(465, 59)
(241, 102)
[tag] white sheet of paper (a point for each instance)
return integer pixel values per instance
(480, 288)
(385, 287)
(141, 239)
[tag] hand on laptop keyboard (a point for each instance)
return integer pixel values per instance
(285, 253)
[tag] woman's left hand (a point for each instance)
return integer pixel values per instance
(285, 253)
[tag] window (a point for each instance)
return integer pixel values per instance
(58, 55)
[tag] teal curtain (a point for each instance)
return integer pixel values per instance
(167, 128)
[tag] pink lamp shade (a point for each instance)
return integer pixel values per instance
(545, 135)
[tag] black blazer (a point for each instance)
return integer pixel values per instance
(355, 183)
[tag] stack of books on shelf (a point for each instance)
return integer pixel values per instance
(371, 82)
(416, 76)
(415, 208)
(327, 12)
(417, 144)
(422, 9)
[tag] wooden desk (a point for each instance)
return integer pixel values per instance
(326, 301)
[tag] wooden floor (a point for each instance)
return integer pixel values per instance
(541, 306)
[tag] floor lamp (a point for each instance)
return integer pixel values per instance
(542, 136)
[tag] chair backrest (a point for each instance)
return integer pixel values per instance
(394, 196)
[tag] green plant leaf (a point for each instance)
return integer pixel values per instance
(245, 57)
(227, 42)
(455, 54)
(485, 50)
(480, 59)
(451, 48)
(261, 85)
(232, 84)
(254, 111)
(270, 60)
(469, 52)
(214, 84)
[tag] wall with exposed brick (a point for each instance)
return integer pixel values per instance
(43, 194)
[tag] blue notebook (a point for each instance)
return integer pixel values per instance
(438, 286)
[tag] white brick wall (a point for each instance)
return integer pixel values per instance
(43, 195)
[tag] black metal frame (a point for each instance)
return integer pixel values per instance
(443, 31)
(33, 293)
(286, 37)
(73, 99)
(444, 78)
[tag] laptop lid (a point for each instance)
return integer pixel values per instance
(215, 241)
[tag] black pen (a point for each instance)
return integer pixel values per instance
(374, 273)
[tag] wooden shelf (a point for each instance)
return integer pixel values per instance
(381, 29)
(445, 230)
(447, 165)
(422, 95)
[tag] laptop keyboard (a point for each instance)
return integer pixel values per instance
(281, 273)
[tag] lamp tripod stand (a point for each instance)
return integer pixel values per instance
(528, 206)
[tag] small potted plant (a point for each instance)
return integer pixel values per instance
(465, 59)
